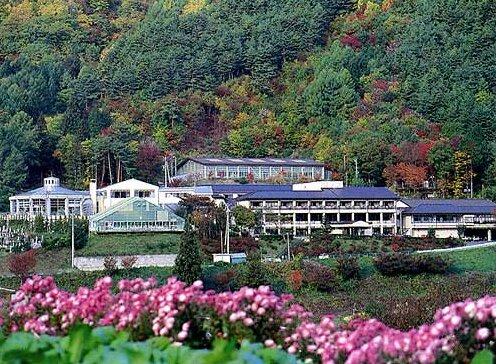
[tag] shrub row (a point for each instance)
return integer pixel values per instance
(401, 263)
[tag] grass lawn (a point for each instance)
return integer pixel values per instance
(131, 244)
(473, 260)
(476, 260)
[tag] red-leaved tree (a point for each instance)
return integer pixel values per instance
(22, 264)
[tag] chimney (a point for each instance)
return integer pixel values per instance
(93, 195)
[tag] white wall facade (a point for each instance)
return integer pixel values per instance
(118, 192)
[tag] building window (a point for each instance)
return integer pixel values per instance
(345, 218)
(360, 217)
(286, 204)
(345, 204)
(120, 194)
(387, 217)
(301, 218)
(389, 204)
(232, 172)
(331, 204)
(360, 204)
(57, 206)
(272, 204)
(307, 171)
(221, 171)
(143, 193)
(243, 171)
(374, 204)
(265, 173)
(374, 217)
(316, 217)
(331, 217)
(301, 204)
(23, 207)
(39, 206)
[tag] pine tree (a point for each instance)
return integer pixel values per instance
(188, 261)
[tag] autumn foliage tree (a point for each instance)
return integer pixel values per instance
(22, 264)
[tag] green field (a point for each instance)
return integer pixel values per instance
(473, 260)
(130, 244)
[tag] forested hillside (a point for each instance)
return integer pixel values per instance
(105, 88)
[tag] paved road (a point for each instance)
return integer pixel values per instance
(96, 263)
(471, 245)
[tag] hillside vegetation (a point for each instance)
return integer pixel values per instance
(104, 88)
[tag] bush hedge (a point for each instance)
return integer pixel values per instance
(402, 263)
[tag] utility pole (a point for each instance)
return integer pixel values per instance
(471, 179)
(165, 172)
(289, 246)
(356, 169)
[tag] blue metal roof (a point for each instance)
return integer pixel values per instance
(54, 190)
(345, 193)
(229, 189)
(449, 206)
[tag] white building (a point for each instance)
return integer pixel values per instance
(471, 218)
(106, 197)
(303, 208)
(51, 200)
(312, 206)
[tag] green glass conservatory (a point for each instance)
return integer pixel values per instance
(136, 215)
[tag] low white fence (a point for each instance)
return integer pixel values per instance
(96, 263)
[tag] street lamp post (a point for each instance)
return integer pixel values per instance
(227, 229)
(72, 240)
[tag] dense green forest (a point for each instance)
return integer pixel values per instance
(106, 88)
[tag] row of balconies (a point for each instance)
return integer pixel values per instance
(475, 220)
(319, 206)
(320, 224)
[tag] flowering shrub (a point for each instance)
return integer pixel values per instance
(318, 275)
(175, 310)
(22, 264)
(348, 267)
(191, 316)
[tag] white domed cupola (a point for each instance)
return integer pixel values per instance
(51, 182)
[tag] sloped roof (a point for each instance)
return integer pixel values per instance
(214, 161)
(449, 206)
(345, 193)
(52, 191)
(127, 201)
(125, 183)
(247, 188)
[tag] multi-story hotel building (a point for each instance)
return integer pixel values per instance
(307, 207)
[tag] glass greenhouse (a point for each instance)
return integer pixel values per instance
(136, 215)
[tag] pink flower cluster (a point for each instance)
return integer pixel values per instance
(458, 331)
(171, 310)
(185, 313)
